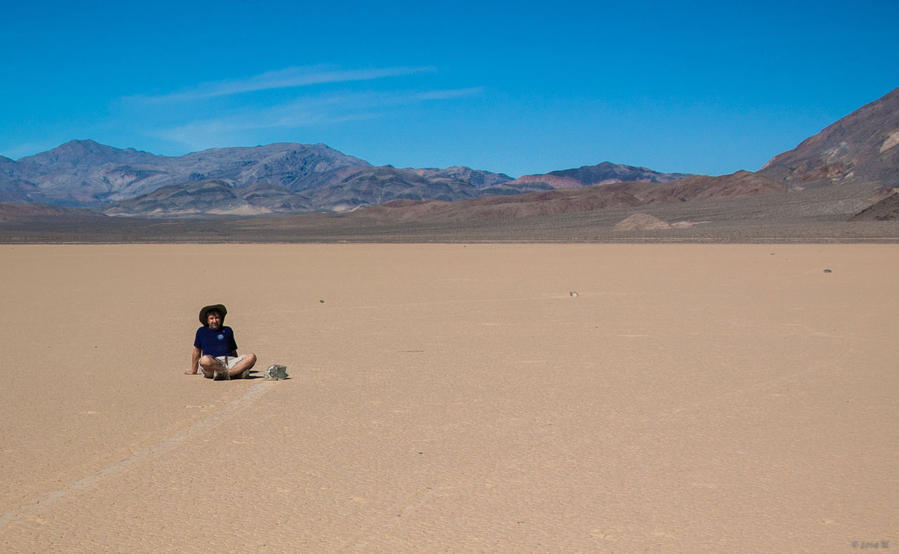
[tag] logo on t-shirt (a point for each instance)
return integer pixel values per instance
(221, 336)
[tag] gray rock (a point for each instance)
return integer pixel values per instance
(275, 373)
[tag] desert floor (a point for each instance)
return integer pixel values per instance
(607, 398)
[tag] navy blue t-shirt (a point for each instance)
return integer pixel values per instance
(215, 343)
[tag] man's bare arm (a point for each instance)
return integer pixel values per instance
(195, 359)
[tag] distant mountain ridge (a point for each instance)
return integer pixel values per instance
(600, 174)
(86, 173)
(281, 177)
(275, 178)
(631, 194)
(859, 153)
(343, 190)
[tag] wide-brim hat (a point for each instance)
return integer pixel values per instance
(204, 313)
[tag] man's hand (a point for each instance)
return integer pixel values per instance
(190, 372)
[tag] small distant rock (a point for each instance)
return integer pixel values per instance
(641, 222)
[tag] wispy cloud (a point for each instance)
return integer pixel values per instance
(305, 112)
(238, 110)
(290, 77)
(450, 94)
(201, 133)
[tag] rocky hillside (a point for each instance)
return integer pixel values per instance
(601, 174)
(861, 147)
(6, 166)
(883, 210)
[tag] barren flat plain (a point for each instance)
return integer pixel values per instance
(452, 397)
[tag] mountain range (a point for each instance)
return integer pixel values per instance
(276, 178)
(859, 153)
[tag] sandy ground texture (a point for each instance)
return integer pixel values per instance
(593, 398)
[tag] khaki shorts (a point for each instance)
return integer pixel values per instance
(227, 361)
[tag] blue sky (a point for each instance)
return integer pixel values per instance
(698, 87)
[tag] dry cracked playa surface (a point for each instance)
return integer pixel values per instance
(603, 398)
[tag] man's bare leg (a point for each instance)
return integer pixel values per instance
(210, 366)
(242, 368)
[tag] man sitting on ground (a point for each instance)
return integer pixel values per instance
(215, 350)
